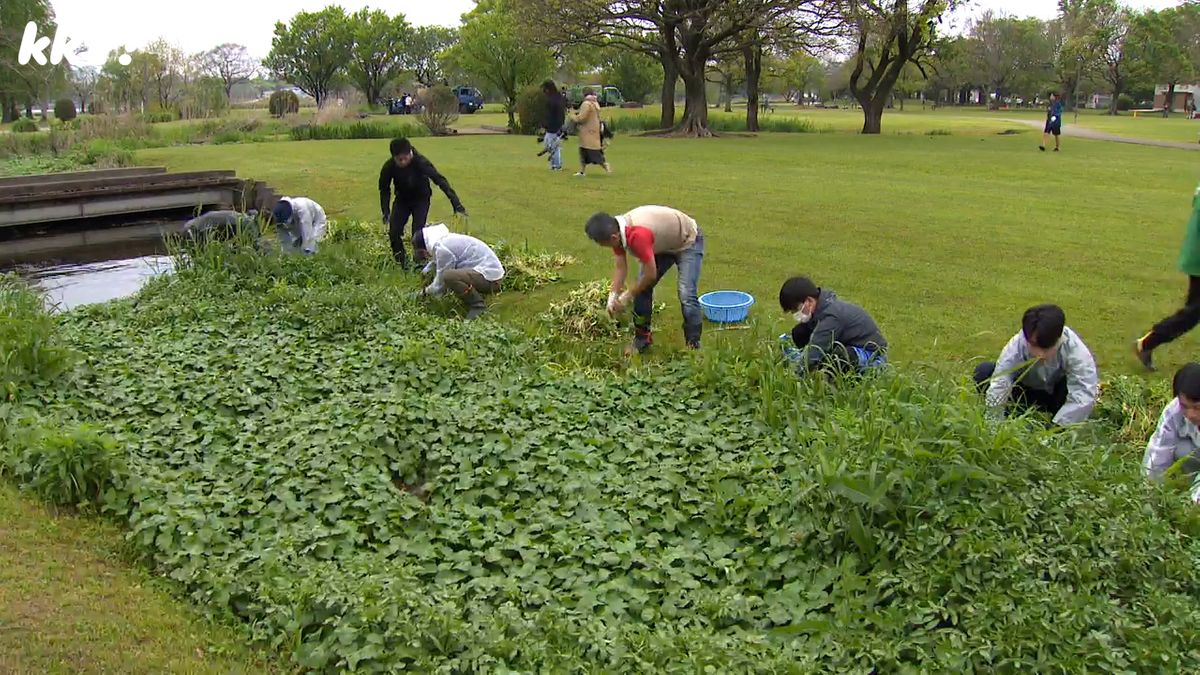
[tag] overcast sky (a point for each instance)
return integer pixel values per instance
(197, 25)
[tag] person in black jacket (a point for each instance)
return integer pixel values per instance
(410, 172)
(556, 117)
(831, 334)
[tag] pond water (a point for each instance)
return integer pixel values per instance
(74, 277)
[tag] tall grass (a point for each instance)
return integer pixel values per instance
(721, 123)
(356, 130)
(31, 350)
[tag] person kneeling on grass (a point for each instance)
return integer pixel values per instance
(660, 237)
(1046, 366)
(299, 224)
(462, 263)
(1178, 436)
(830, 334)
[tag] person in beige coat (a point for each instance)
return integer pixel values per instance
(587, 125)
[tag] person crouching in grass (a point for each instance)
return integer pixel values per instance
(1177, 438)
(830, 334)
(462, 263)
(1046, 366)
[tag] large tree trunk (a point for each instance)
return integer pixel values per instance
(728, 95)
(752, 55)
(670, 78)
(8, 110)
(695, 106)
(873, 115)
(1169, 101)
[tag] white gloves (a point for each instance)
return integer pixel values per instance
(613, 299)
(618, 302)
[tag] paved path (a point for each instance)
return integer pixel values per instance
(1080, 132)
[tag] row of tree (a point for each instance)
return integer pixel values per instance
(1092, 46)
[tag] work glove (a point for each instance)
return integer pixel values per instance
(613, 298)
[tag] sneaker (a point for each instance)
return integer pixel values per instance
(607, 169)
(1056, 149)
(580, 174)
(1143, 355)
(1042, 148)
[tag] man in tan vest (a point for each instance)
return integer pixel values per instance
(659, 237)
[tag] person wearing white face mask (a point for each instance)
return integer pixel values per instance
(1046, 367)
(830, 333)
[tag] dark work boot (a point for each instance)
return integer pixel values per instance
(475, 305)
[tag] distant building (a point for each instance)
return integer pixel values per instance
(1185, 96)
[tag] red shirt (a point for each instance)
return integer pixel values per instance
(639, 241)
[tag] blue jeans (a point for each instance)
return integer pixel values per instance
(553, 145)
(689, 262)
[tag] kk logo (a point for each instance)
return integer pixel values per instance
(34, 47)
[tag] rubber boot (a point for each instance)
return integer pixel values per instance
(475, 304)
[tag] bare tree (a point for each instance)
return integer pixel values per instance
(83, 81)
(230, 63)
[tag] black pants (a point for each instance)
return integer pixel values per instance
(1023, 397)
(1174, 326)
(401, 212)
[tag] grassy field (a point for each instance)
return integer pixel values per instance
(946, 239)
(70, 602)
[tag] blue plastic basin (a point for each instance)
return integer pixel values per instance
(726, 306)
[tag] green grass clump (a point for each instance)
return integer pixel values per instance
(307, 456)
(31, 350)
(24, 125)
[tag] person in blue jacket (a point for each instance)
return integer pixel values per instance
(1053, 123)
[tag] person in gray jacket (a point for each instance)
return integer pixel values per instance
(1046, 367)
(830, 333)
(1178, 436)
(220, 225)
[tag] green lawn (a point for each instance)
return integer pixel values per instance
(946, 239)
(70, 602)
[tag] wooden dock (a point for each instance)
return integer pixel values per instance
(46, 201)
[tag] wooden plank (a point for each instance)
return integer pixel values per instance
(79, 185)
(50, 212)
(71, 194)
(16, 181)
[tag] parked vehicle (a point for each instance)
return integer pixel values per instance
(470, 100)
(608, 97)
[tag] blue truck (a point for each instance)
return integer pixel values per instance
(470, 100)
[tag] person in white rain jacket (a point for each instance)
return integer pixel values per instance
(462, 263)
(1178, 436)
(299, 224)
(1046, 367)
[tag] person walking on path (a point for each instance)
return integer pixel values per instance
(556, 117)
(463, 264)
(1053, 123)
(659, 237)
(410, 173)
(588, 126)
(299, 224)
(1184, 320)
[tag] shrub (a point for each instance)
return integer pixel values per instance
(64, 109)
(159, 117)
(355, 130)
(66, 468)
(531, 110)
(439, 109)
(1124, 102)
(66, 125)
(283, 103)
(114, 127)
(24, 125)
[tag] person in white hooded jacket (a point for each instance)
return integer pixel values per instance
(461, 263)
(299, 224)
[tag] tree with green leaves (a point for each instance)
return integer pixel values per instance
(1078, 45)
(886, 36)
(380, 52)
(493, 47)
(167, 62)
(1166, 47)
(729, 72)
(634, 73)
(804, 74)
(1114, 24)
(426, 49)
(19, 84)
(312, 51)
